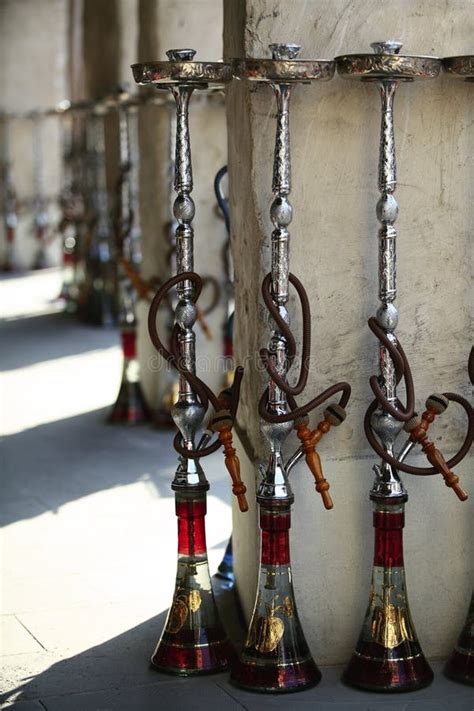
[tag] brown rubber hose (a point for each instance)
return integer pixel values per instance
(172, 355)
(403, 414)
(422, 471)
(290, 391)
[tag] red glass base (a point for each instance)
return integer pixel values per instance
(460, 667)
(276, 678)
(373, 672)
(130, 407)
(177, 654)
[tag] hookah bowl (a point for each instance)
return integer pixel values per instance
(193, 640)
(388, 656)
(276, 657)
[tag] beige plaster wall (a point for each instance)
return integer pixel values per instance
(334, 130)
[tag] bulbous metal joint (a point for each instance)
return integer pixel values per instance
(188, 417)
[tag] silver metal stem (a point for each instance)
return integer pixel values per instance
(387, 482)
(101, 199)
(129, 207)
(275, 483)
(41, 214)
(187, 413)
(9, 194)
(133, 184)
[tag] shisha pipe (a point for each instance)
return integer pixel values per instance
(193, 640)
(98, 302)
(388, 656)
(72, 211)
(460, 665)
(73, 225)
(276, 657)
(41, 217)
(9, 200)
(130, 407)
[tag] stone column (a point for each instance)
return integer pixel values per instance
(33, 59)
(335, 134)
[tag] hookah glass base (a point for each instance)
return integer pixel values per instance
(460, 665)
(130, 407)
(388, 656)
(193, 640)
(276, 657)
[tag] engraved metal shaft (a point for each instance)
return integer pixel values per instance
(8, 191)
(41, 215)
(187, 413)
(275, 483)
(100, 198)
(384, 425)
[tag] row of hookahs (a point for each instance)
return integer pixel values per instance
(275, 656)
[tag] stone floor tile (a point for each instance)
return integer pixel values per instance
(27, 706)
(194, 695)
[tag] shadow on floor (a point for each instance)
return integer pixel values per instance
(31, 340)
(47, 466)
(121, 663)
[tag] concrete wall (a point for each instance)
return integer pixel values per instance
(334, 131)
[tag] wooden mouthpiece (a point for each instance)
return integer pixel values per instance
(309, 441)
(140, 285)
(437, 460)
(434, 456)
(222, 424)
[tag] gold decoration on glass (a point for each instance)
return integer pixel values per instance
(182, 604)
(391, 623)
(269, 629)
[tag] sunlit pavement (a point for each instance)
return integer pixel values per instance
(89, 539)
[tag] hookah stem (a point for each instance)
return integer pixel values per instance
(387, 183)
(133, 187)
(183, 185)
(275, 290)
(8, 197)
(181, 353)
(100, 173)
(393, 362)
(124, 213)
(38, 176)
(279, 276)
